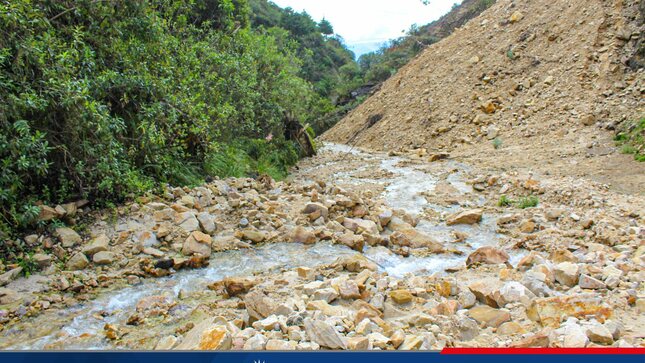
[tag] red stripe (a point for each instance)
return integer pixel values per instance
(568, 351)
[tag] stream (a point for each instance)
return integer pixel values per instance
(403, 190)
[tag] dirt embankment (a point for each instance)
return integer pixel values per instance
(548, 80)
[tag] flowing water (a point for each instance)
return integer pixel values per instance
(403, 189)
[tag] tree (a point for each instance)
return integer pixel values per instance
(326, 27)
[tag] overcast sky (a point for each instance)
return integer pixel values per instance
(366, 24)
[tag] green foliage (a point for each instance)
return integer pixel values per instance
(504, 201)
(522, 203)
(528, 202)
(497, 143)
(106, 100)
(28, 264)
(631, 139)
(253, 157)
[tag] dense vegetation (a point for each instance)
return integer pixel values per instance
(108, 99)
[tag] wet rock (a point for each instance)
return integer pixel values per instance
(551, 311)
(567, 273)
(197, 243)
(256, 342)
(68, 237)
(401, 296)
(488, 316)
(487, 255)
(324, 334)
(258, 305)
(77, 262)
(236, 286)
(415, 239)
(302, 235)
(104, 258)
(590, 283)
(98, 244)
(207, 222)
(10, 275)
(465, 217)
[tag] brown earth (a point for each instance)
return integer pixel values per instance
(549, 80)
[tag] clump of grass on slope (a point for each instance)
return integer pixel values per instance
(631, 139)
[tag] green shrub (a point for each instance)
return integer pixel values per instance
(504, 201)
(528, 202)
(631, 139)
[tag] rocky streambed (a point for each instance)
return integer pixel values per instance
(357, 250)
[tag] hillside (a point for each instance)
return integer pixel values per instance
(548, 82)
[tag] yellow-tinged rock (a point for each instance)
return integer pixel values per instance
(401, 296)
(553, 310)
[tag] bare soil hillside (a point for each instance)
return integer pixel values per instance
(535, 85)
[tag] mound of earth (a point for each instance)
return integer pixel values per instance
(537, 85)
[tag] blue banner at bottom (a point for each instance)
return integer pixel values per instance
(309, 357)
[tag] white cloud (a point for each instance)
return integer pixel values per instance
(365, 24)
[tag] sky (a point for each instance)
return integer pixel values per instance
(366, 24)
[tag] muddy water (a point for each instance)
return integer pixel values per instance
(403, 189)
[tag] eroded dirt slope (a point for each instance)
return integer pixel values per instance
(550, 80)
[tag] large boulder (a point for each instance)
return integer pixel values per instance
(68, 237)
(77, 262)
(197, 243)
(206, 336)
(414, 239)
(98, 244)
(487, 255)
(471, 216)
(258, 305)
(553, 310)
(324, 334)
